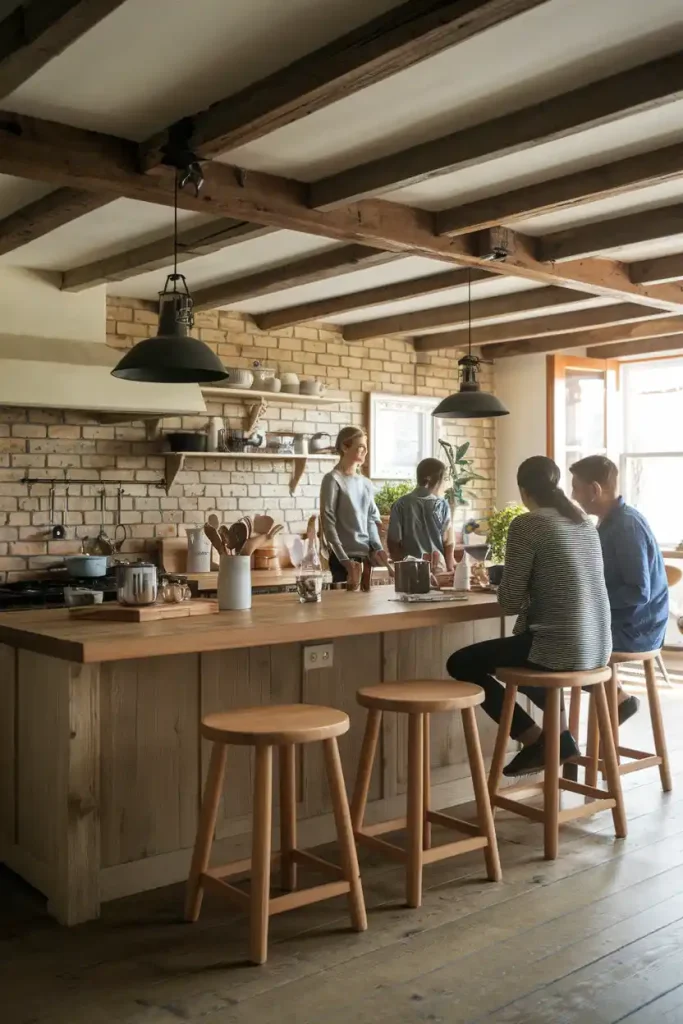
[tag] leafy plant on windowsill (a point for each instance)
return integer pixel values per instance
(498, 526)
(460, 471)
(389, 494)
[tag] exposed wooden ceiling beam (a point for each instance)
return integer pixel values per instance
(443, 316)
(590, 239)
(307, 311)
(633, 349)
(570, 190)
(556, 323)
(643, 88)
(45, 214)
(394, 41)
(198, 241)
(38, 30)
(579, 339)
(657, 271)
(318, 267)
(62, 155)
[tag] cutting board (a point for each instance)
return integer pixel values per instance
(112, 612)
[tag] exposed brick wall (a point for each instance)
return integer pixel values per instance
(45, 443)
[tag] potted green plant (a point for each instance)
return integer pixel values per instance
(460, 473)
(387, 496)
(497, 535)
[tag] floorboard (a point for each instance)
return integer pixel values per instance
(593, 938)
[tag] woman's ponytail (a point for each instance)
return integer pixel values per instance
(539, 476)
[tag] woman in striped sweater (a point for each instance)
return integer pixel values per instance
(554, 581)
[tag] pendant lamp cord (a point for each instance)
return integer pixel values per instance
(175, 224)
(469, 311)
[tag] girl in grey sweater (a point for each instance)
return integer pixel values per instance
(348, 513)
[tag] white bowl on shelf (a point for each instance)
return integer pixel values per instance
(237, 378)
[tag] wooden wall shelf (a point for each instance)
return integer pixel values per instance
(176, 460)
(271, 396)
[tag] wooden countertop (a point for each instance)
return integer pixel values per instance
(273, 619)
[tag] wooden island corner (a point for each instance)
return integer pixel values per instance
(101, 762)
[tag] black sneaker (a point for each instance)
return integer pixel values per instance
(628, 708)
(531, 759)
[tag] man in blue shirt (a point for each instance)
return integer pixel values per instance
(420, 522)
(634, 568)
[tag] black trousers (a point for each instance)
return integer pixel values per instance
(478, 663)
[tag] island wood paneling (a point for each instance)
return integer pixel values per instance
(8, 683)
(150, 763)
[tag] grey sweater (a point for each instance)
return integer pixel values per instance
(349, 516)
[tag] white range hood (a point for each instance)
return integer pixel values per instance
(57, 373)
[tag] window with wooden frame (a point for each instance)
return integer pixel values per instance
(583, 410)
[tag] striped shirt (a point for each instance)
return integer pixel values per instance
(554, 580)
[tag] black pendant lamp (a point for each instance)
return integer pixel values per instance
(469, 403)
(172, 356)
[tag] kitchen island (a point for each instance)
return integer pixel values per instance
(101, 763)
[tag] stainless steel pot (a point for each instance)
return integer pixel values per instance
(136, 584)
(412, 577)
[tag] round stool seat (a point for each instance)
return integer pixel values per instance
(621, 657)
(275, 724)
(421, 697)
(552, 680)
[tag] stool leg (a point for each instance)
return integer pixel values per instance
(347, 846)
(592, 744)
(205, 830)
(609, 755)
(662, 668)
(367, 759)
(287, 758)
(658, 726)
(426, 784)
(481, 793)
(571, 771)
(612, 692)
(502, 740)
(551, 775)
(260, 854)
(415, 809)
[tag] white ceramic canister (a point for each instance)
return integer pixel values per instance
(216, 424)
(234, 583)
(198, 550)
(461, 577)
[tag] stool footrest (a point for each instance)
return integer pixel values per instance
(638, 755)
(225, 889)
(585, 810)
(317, 893)
(381, 846)
(535, 813)
(447, 821)
(309, 860)
(238, 867)
(380, 827)
(528, 788)
(454, 849)
(577, 787)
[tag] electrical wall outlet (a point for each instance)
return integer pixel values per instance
(319, 656)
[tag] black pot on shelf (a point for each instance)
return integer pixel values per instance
(495, 574)
(187, 441)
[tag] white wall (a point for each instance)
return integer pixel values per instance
(32, 304)
(520, 385)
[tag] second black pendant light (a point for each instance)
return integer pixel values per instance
(469, 402)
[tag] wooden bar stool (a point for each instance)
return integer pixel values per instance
(419, 700)
(550, 814)
(638, 759)
(283, 726)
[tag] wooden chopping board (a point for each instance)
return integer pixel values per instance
(113, 612)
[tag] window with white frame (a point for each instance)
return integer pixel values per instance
(652, 453)
(402, 433)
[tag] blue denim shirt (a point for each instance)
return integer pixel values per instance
(636, 580)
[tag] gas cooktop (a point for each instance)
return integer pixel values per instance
(49, 593)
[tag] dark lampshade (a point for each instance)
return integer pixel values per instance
(469, 403)
(172, 357)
